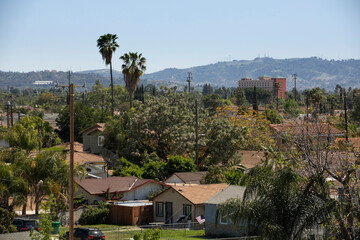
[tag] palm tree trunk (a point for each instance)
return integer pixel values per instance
(130, 94)
(23, 212)
(112, 90)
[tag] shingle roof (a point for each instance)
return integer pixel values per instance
(198, 194)
(250, 159)
(82, 157)
(227, 193)
(189, 177)
(96, 127)
(119, 184)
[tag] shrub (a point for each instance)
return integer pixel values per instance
(152, 234)
(94, 215)
(6, 218)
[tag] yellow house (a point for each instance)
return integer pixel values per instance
(183, 202)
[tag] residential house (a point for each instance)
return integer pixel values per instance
(286, 134)
(355, 142)
(184, 202)
(221, 225)
(185, 178)
(118, 188)
(93, 138)
(250, 159)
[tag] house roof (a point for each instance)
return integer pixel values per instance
(198, 194)
(96, 127)
(189, 177)
(231, 191)
(298, 129)
(250, 159)
(82, 157)
(354, 141)
(78, 147)
(114, 184)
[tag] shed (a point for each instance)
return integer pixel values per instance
(131, 213)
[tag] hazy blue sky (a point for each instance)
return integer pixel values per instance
(45, 34)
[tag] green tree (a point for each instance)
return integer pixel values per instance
(291, 108)
(125, 168)
(273, 116)
(84, 117)
(355, 113)
(240, 97)
(212, 102)
(107, 46)
(179, 164)
(255, 100)
(45, 220)
(281, 204)
(132, 68)
(207, 89)
(6, 218)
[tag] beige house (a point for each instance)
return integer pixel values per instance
(184, 202)
(93, 138)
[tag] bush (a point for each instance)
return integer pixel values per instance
(94, 215)
(6, 218)
(152, 234)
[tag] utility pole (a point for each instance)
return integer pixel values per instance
(189, 79)
(294, 77)
(196, 134)
(71, 185)
(71, 202)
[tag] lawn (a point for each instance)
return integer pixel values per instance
(115, 232)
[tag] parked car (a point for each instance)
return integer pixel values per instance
(87, 233)
(25, 224)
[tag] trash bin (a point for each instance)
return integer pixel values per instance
(56, 227)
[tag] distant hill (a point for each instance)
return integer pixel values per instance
(26, 80)
(311, 72)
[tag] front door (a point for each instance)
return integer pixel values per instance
(168, 213)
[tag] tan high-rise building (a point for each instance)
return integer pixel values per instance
(266, 83)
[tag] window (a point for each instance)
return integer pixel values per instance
(100, 141)
(225, 218)
(187, 211)
(159, 209)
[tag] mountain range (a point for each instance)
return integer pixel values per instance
(311, 72)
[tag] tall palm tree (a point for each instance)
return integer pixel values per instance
(132, 68)
(107, 46)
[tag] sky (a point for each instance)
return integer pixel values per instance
(61, 35)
